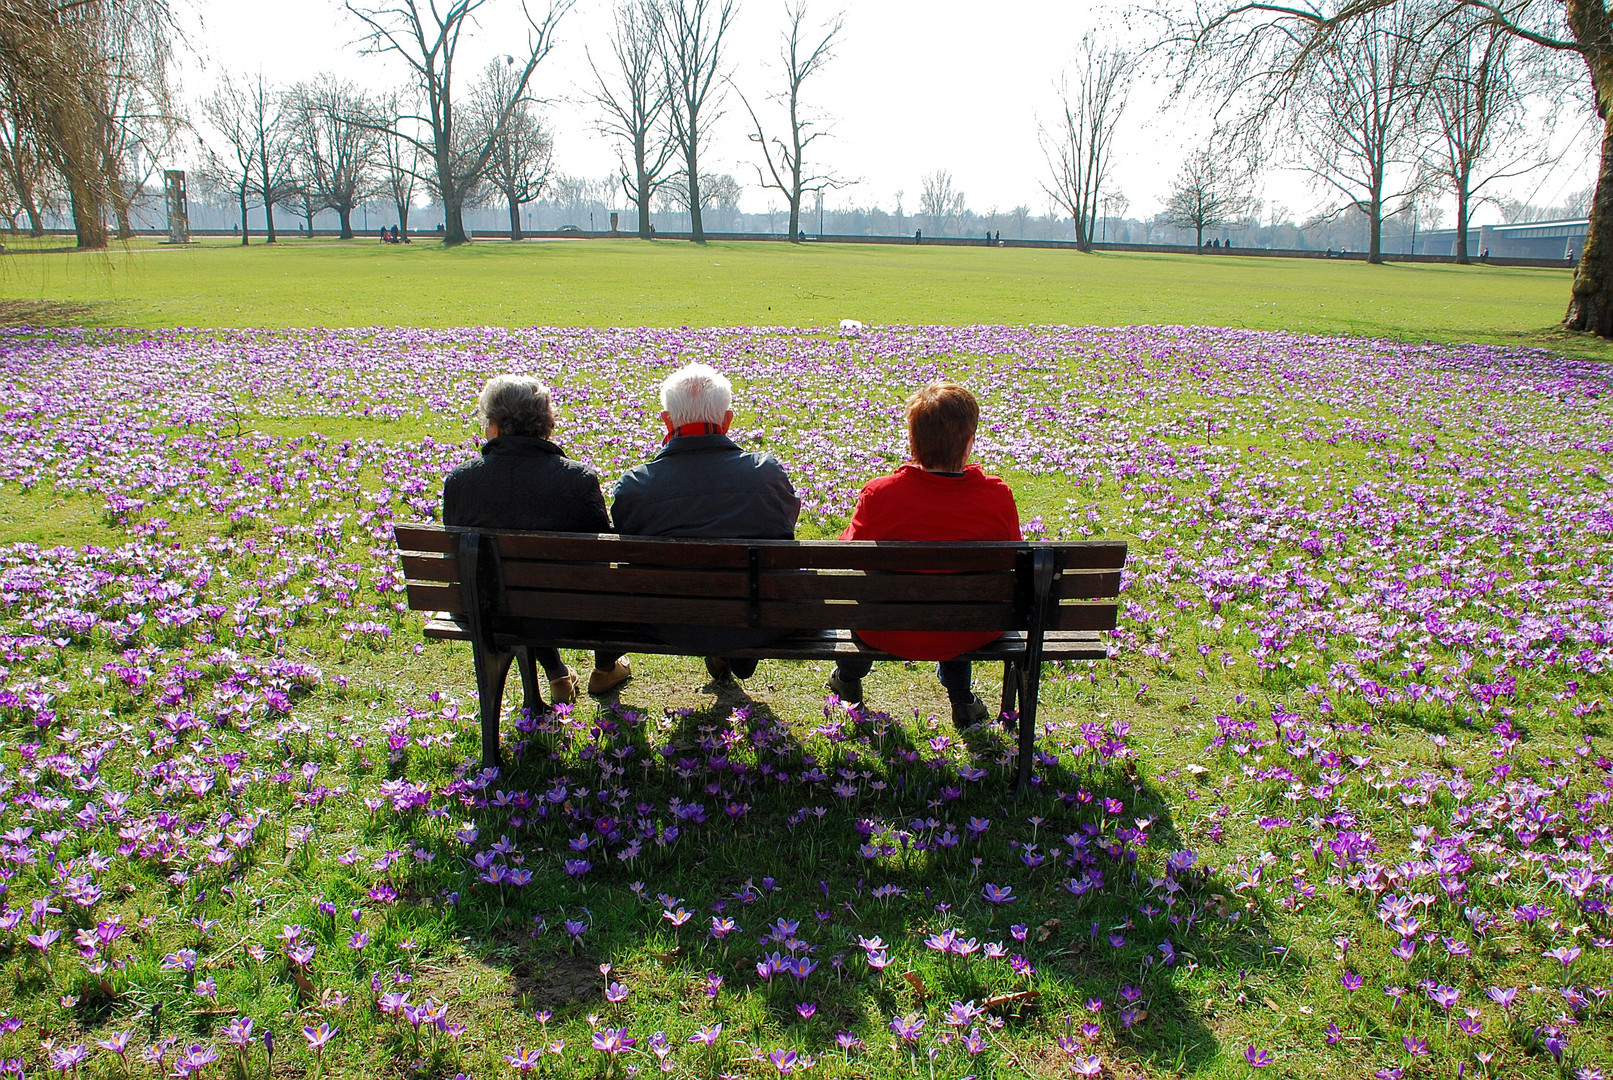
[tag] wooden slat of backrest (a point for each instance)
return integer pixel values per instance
(1087, 585)
(430, 567)
(585, 548)
(634, 579)
(888, 557)
(428, 597)
(934, 588)
(772, 614)
(424, 538)
(1083, 617)
(1090, 554)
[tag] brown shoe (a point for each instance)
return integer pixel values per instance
(563, 691)
(603, 682)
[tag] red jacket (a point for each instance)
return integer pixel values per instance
(912, 504)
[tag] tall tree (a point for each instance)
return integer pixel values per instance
(61, 62)
(785, 157)
(400, 157)
(634, 100)
(1241, 43)
(337, 146)
(229, 108)
(268, 123)
(692, 40)
(939, 202)
(1482, 132)
(20, 163)
(1078, 149)
(1206, 194)
(428, 40)
(523, 149)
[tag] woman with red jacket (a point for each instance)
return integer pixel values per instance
(938, 495)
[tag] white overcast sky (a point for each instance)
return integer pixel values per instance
(916, 85)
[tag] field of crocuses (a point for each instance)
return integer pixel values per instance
(1338, 804)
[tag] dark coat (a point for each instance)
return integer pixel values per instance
(524, 483)
(705, 485)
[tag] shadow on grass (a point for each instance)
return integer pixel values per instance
(49, 314)
(645, 832)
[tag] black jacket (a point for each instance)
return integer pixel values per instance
(524, 483)
(705, 485)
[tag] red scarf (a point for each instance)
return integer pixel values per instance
(693, 429)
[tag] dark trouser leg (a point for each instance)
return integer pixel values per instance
(955, 675)
(605, 661)
(853, 667)
(549, 660)
(742, 668)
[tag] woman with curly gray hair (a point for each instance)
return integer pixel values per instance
(524, 481)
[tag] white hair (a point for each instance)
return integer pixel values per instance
(696, 394)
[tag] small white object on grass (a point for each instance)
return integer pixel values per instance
(850, 326)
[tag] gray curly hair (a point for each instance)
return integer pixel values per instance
(516, 405)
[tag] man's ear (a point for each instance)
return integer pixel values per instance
(727, 421)
(666, 418)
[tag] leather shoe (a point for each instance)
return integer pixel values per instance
(718, 669)
(849, 691)
(603, 682)
(563, 691)
(968, 713)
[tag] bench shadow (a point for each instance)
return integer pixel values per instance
(626, 817)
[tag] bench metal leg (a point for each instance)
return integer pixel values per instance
(531, 696)
(1030, 684)
(492, 668)
(1010, 690)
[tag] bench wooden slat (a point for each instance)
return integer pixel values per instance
(1087, 585)
(775, 584)
(1083, 617)
(428, 597)
(777, 614)
(823, 644)
(424, 538)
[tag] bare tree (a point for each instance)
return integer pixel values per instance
(400, 160)
(428, 41)
(64, 65)
(692, 39)
(1356, 119)
(1476, 104)
(1115, 204)
(785, 158)
(940, 204)
(21, 165)
(634, 101)
(1206, 194)
(1242, 42)
(1078, 149)
(522, 149)
(229, 108)
(338, 146)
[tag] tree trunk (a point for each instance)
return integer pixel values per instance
(245, 237)
(515, 217)
(345, 214)
(403, 216)
(1590, 307)
(1201, 239)
(125, 227)
(697, 231)
(88, 220)
(308, 212)
(453, 226)
(1375, 232)
(643, 202)
(268, 221)
(1461, 224)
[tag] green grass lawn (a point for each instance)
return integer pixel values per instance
(629, 283)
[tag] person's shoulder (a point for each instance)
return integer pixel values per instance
(580, 469)
(465, 471)
(990, 480)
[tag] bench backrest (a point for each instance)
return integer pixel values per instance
(782, 584)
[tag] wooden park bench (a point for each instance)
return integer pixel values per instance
(1050, 600)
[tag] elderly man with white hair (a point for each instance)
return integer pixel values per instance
(524, 481)
(703, 484)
